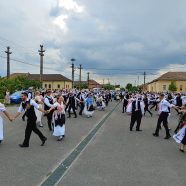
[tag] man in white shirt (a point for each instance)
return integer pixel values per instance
(28, 105)
(164, 107)
(48, 103)
(137, 113)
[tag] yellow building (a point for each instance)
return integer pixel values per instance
(162, 83)
(49, 81)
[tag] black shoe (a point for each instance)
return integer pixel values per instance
(181, 150)
(43, 141)
(156, 135)
(75, 116)
(167, 137)
(1, 141)
(23, 146)
(130, 129)
(139, 130)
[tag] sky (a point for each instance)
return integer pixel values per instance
(116, 41)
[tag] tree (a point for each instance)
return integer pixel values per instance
(108, 87)
(18, 83)
(129, 86)
(172, 86)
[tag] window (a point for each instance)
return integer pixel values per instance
(181, 87)
(49, 86)
(45, 85)
(164, 87)
(58, 86)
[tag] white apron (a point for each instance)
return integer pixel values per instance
(2, 109)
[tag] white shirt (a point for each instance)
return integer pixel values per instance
(164, 106)
(32, 103)
(46, 101)
(2, 107)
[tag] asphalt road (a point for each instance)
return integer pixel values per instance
(114, 157)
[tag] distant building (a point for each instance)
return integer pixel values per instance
(92, 84)
(49, 81)
(162, 83)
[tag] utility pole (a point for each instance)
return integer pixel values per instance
(8, 61)
(103, 81)
(138, 80)
(80, 68)
(108, 81)
(144, 80)
(88, 78)
(72, 72)
(41, 53)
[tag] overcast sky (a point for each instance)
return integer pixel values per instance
(116, 40)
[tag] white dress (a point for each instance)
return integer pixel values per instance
(2, 109)
(38, 113)
(87, 112)
(60, 110)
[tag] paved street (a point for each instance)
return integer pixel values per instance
(114, 157)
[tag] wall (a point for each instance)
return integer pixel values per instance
(158, 86)
(54, 85)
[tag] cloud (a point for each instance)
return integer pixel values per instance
(103, 36)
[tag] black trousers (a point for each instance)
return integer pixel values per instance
(154, 105)
(49, 120)
(124, 107)
(136, 117)
(81, 108)
(146, 109)
(162, 118)
(31, 126)
(73, 108)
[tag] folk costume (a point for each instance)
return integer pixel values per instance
(48, 103)
(137, 113)
(59, 120)
(2, 109)
(29, 106)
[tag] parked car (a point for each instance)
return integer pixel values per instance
(16, 97)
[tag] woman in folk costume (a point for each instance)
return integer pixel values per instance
(3, 110)
(100, 103)
(7, 97)
(89, 108)
(180, 137)
(38, 100)
(58, 118)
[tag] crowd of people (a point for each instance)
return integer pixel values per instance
(55, 104)
(138, 104)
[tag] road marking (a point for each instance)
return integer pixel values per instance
(59, 172)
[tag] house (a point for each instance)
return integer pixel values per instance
(162, 83)
(92, 84)
(49, 81)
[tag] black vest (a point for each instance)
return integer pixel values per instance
(50, 101)
(134, 106)
(30, 112)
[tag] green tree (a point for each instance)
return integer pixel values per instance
(108, 86)
(129, 87)
(172, 86)
(18, 83)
